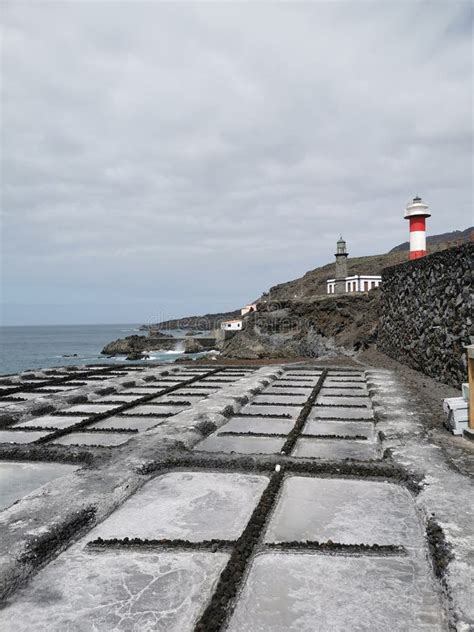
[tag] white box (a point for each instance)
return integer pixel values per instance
(457, 414)
(457, 427)
(454, 403)
(465, 391)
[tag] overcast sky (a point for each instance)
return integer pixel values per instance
(167, 159)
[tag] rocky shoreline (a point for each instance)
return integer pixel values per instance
(323, 327)
(137, 347)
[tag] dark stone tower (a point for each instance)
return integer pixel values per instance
(341, 267)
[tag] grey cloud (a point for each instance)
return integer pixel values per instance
(153, 149)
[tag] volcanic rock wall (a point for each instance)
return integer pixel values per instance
(425, 313)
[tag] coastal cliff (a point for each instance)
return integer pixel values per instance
(206, 322)
(324, 326)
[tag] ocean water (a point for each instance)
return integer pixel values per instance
(23, 348)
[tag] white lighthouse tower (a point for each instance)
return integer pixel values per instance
(417, 212)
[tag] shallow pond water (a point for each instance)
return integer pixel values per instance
(337, 400)
(319, 593)
(325, 412)
(290, 411)
(117, 591)
(190, 505)
(278, 398)
(17, 479)
(91, 408)
(243, 445)
(258, 424)
(335, 449)
(51, 421)
(345, 511)
(95, 438)
(135, 423)
(341, 428)
(7, 436)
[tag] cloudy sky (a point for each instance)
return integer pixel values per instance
(166, 159)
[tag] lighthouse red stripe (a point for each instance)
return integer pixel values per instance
(417, 254)
(417, 223)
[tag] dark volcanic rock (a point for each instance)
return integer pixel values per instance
(135, 345)
(193, 346)
(207, 322)
(321, 327)
(426, 313)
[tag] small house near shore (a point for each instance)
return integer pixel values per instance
(251, 307)
(232, 325)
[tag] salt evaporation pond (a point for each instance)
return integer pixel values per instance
(319, 593)
(336, 412)
(117, 397)
(344, 511)
(287, 411)
(12, 436)
(150, 409)
(91, 408)
(187, 505)
(341, 428)
(264, 425)
(116, 591)
(335, 449)
(330, 392)
(94, 438)
(337, 400)
(336, 381)
(127, 422)
(50, 421)
(275, 399)
(18, 479)
(241, 444)
(278, 390)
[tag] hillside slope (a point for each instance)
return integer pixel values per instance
(322, 326)
(454, 238)
(199, 323)
(313, 283)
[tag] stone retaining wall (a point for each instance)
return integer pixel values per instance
(426, 314)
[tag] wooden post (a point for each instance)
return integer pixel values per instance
(470, 364)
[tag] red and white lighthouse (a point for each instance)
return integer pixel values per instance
(417, 212)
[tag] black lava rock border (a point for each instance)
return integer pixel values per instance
(221, 603)
(329, 546)
(214, 545)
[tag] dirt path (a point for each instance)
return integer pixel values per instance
(426, 395)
